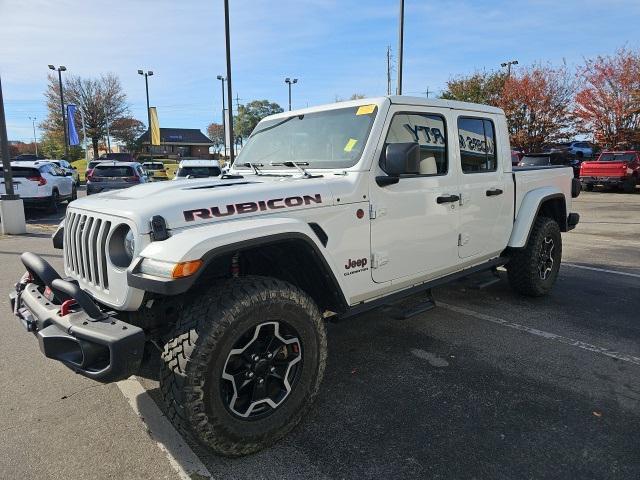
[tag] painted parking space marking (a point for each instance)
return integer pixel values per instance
(541, 333)
(186, 463)
(603, 270)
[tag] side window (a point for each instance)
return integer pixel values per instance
(47, 169)
(477, 141)
(430, 132)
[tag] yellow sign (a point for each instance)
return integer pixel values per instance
(155, 126)
(350, 144)
(366, 109)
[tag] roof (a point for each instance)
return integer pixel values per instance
(115, 163)
(183, 136)
(199, 163)
(398, 100)
(29, 163)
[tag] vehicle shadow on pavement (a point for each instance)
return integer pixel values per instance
(399, 402)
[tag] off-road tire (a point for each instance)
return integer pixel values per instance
(523, 269)
(194, 358)
(74, 194)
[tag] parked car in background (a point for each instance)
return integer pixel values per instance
(156, 171)
(41, 183)
(198, 169)
(68, 168)
(547, 159)
(27, 157)
(516, 156)
(107, 176)
(581, 149)
(612, 169)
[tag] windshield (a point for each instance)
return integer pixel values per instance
(330, 139)
(154, 166)
(535, 161)
(23, 172)
(198, 172)
(617, 157)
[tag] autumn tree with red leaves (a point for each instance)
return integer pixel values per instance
(608, 102)
(538, 103)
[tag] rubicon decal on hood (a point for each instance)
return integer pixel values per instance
(250, 207)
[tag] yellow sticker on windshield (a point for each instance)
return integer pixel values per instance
(350, 144)
(365, 109)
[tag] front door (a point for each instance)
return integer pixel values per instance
(486, 189)
(414, 222)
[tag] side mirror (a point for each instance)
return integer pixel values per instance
(401, 158)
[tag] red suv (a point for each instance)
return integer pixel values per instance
(616, 169)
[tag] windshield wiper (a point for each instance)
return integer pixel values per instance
(254, 167)
(297, 165)
(266, 129)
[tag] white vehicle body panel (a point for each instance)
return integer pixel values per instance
(381, 239)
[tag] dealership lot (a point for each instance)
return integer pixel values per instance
(488, 385)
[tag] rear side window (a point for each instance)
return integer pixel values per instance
(22, 172)
(617, 157)
(477, 140)
(112, 171)
(430, 132)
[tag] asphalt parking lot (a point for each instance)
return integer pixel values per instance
(487, 385)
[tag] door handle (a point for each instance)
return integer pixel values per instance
(493, 192)
(448, 198)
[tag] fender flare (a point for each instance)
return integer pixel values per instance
(528, 212)
(260, 232)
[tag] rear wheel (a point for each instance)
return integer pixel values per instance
(74, 194)
(533, 270)
(54, 201)
(245, 363)
(629, 186)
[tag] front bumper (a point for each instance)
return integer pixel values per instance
(86, 339)
(612, 181)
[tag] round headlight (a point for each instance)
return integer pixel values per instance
(129, 244)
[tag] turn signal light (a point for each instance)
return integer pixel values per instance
(185, 269)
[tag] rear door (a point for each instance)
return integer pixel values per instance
(414, 229)
(486, 188)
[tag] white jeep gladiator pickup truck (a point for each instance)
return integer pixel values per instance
(336, 210)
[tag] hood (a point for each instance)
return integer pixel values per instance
(194, 202)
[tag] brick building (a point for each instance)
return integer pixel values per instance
(178, 143)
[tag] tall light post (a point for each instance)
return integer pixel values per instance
(227, 42)
(290, 82)
(508, 65)
(224, 128)
(61, 69)
(35, 140)
(400, 46)
(146, 86)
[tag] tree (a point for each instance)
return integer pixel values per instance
(96, 98)
(608, 101)
(479, 87)
(250, 114)
(216, 134)
(128, 131)
(538, 103)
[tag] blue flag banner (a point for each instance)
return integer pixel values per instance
(73, 133)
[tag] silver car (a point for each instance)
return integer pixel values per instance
(114, 176)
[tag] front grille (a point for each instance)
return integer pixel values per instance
(85, 248)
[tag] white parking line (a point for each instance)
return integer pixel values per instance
(186, 463)
(604, 270)
(540, 333)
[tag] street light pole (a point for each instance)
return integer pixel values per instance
(106, 120)
(61, 69)
(147, 74)
(224, 128)
(290, 82)
(229, 91)
(400, 46)
(508, 65)
(35, 141)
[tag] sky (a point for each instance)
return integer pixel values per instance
(334, 47)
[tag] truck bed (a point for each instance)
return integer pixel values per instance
(529, 178)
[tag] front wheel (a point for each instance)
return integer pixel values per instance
(533, 270)
(53, 202)
(244, 364)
